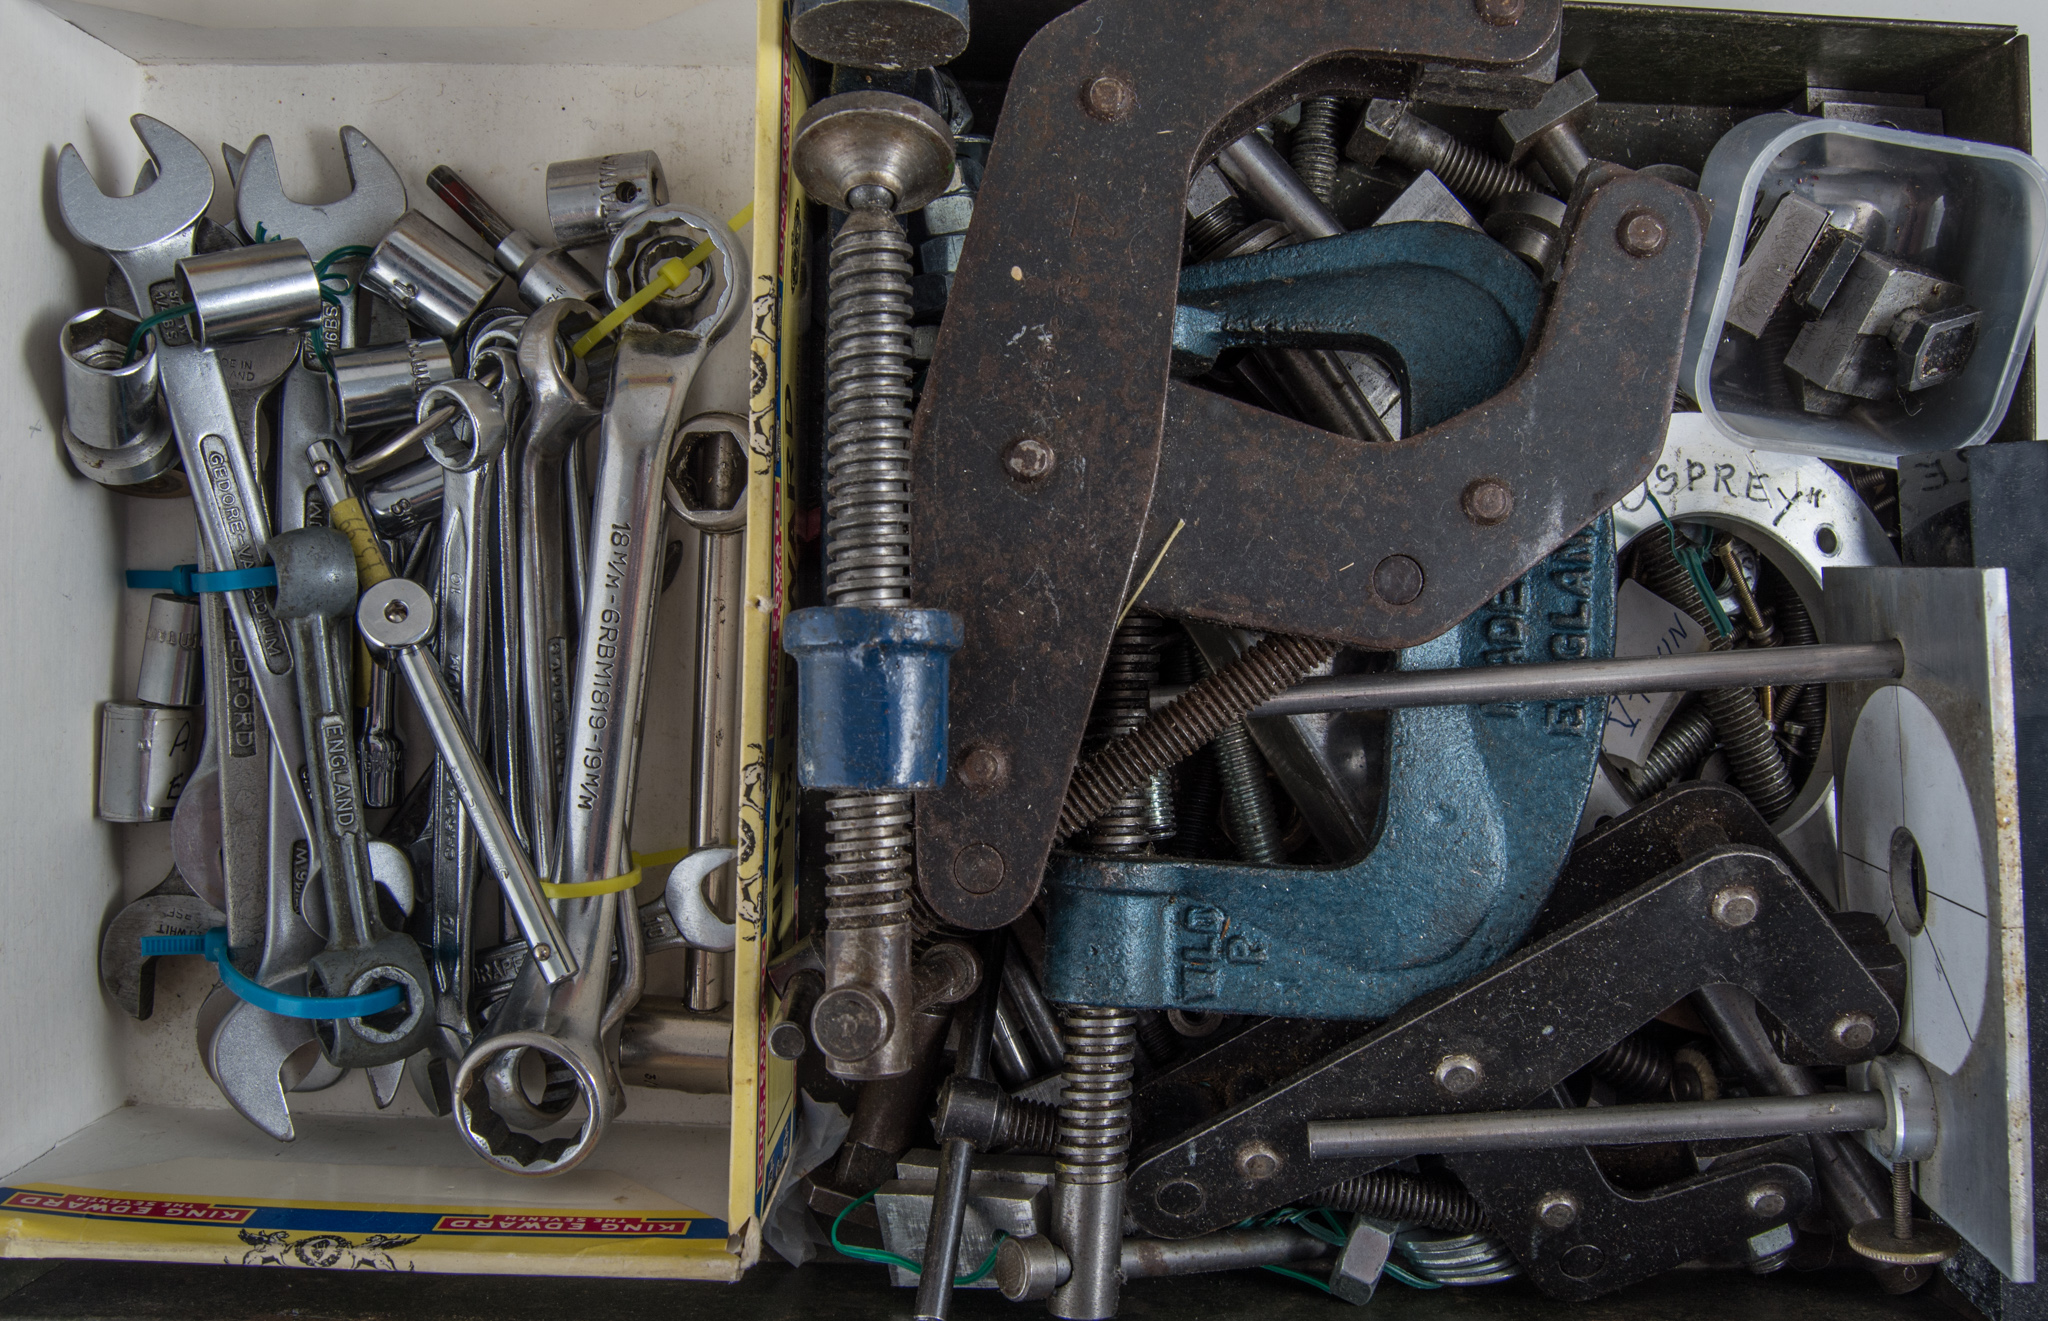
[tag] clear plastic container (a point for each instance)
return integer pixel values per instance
(1971, 212)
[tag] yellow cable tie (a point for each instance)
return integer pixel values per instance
(1146, 581)
(614, 884)
(667, 276)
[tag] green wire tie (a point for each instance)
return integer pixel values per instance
(149, 323)
(896, 1259)
(1689, 555)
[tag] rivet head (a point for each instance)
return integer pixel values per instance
(1487, 501)
(1500, 13)
(1029, 459)
(1734, 906)
(1258, 1162)
(984, 768)
(1642, 234)
(543, 951)
(1558, 1210)
(1109, 98)
(1182, 1197)
(1458, 1074)
(1854, 1031)
(1767, 1201)
(1397, 580)
(978, 868)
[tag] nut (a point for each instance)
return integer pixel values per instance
(1767, 1201)
(1734, 906)
(1109, 98)
(1029, 459)
(1558, 1210)
(1642, 234)
(1459, 1074)
(1487, 501)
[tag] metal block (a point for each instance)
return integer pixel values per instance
(1427, 199)
(1773, 261)
(994, 1204)
(1846, 350)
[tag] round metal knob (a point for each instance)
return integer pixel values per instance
(873, 140)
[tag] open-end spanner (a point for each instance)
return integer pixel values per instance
(557, 413)
(127, 974)
(316, 587)
(145, 234)
(576, 1023)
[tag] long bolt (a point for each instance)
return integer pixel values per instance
(1681, 746)
(868, 837)
(1387, 129)
(1313, 150)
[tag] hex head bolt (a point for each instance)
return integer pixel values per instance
(316, 586)
(1549, 131)
(874, 155)
(1387, 129)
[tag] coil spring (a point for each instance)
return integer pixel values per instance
(1392, 1195)
(1123, 701)
(1313, 150)
(1681, 746)
(1095, 1094)
(1634, 1066)
(1458, 1259)
(1222, 699)
(1803, 705)
(868, 856)
(867, 408)
(1738, 721)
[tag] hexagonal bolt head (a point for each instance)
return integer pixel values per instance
(1378, 129)
(1934, 347)
(1734, 906)
(1207, 191)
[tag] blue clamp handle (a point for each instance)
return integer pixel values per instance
(213, 946)
(186, 581)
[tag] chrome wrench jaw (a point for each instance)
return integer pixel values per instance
(651, 376)
(373, 204)
(146, 232)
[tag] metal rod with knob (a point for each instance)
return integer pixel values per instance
(397, 616)
(1827, 662)
(956, 1151)
(1401, 1136)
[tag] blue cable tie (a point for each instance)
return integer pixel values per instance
(213, 946)
(186, 581)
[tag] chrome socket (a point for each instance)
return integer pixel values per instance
(590, 200)
(245, 292)
(432, 276)
(114, 429)
(146, 754)
(170, 652)
(382, 387)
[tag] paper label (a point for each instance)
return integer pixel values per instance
(1645, 624)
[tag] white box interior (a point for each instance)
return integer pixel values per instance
(497, 89)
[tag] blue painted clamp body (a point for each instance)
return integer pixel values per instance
(1480, 808)
(871, 696)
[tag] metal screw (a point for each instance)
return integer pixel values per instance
(1854, 1031)
(1558, 1210)
(1258, 1163)
(1397, 580)
(1734, 906)
(1767, 1200)
(1642, 234)
(1500, 13)
(984, 768)
(1029, 459)
(1109, 98)
(1487, 501)
(1458, 1074)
